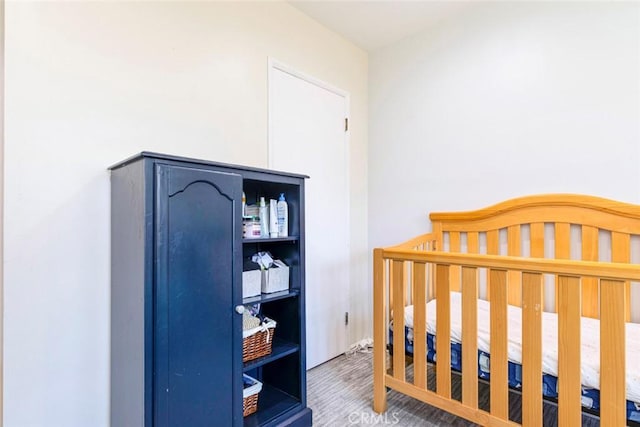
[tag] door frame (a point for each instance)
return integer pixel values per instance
(276, 65)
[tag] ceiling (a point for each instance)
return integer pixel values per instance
(373, 25)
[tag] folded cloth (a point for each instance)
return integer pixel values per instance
(249, 321)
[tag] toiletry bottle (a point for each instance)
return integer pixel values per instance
(273, 218)
(283, 217)
(264, 218)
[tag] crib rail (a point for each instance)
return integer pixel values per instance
(414, 272)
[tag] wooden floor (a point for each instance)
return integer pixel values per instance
(340, 393)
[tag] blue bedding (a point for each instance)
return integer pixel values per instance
(590, 397)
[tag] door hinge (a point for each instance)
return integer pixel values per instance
(346, 124)
(346, 318)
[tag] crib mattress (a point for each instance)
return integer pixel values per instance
(590, 342)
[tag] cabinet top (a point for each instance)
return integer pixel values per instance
(160, 156)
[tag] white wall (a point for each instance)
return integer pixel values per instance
(504, 99)
(88, 84)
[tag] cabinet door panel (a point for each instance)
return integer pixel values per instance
(197, 363)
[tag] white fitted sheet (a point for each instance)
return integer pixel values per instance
(590, 334)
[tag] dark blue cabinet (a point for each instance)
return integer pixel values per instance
(177, 257)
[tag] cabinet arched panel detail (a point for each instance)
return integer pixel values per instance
(201, 182)
(180, 178)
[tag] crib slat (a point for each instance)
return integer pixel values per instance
(621, 252)
(472, 242)
(493, 242)
(420, 325)
(493, 248)
(536, 239)
(470, 337)
(454, 270)
(562, 240)
(562, 249)
(536, 243)
(399, 292)
(499, 395)
(569, 389)
(531, 349)
(513, 240)
(379, 332)
(443, 332)
(408, 295)
(514, 278)
(612, 354)
(590, 290)
(390, 268)
(470, 326)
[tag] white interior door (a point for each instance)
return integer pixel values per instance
(307, 135)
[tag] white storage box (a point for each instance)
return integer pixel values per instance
(251, 283)
(276, 278)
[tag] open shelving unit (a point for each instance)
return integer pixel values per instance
(281, 371)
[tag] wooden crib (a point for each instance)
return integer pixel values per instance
(512, 253)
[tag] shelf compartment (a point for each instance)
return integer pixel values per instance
(272, 403)
(262, 298)
(279, 349)
(291, 239)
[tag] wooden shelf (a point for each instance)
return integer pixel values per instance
(262, 298)
(272, 403)
(291, 239)
(280, 349)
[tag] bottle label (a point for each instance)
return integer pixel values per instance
(282, 221)
(251, 229)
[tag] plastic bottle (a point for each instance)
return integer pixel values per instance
(264, 218)
(273, 218)
(244, 204)
(283, 217)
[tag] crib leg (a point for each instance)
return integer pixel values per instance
(379, 332)
(379, 372)
(379, 388)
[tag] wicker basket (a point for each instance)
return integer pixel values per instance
(250, 392)
(257, 342)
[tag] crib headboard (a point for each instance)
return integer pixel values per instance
(560, 226)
